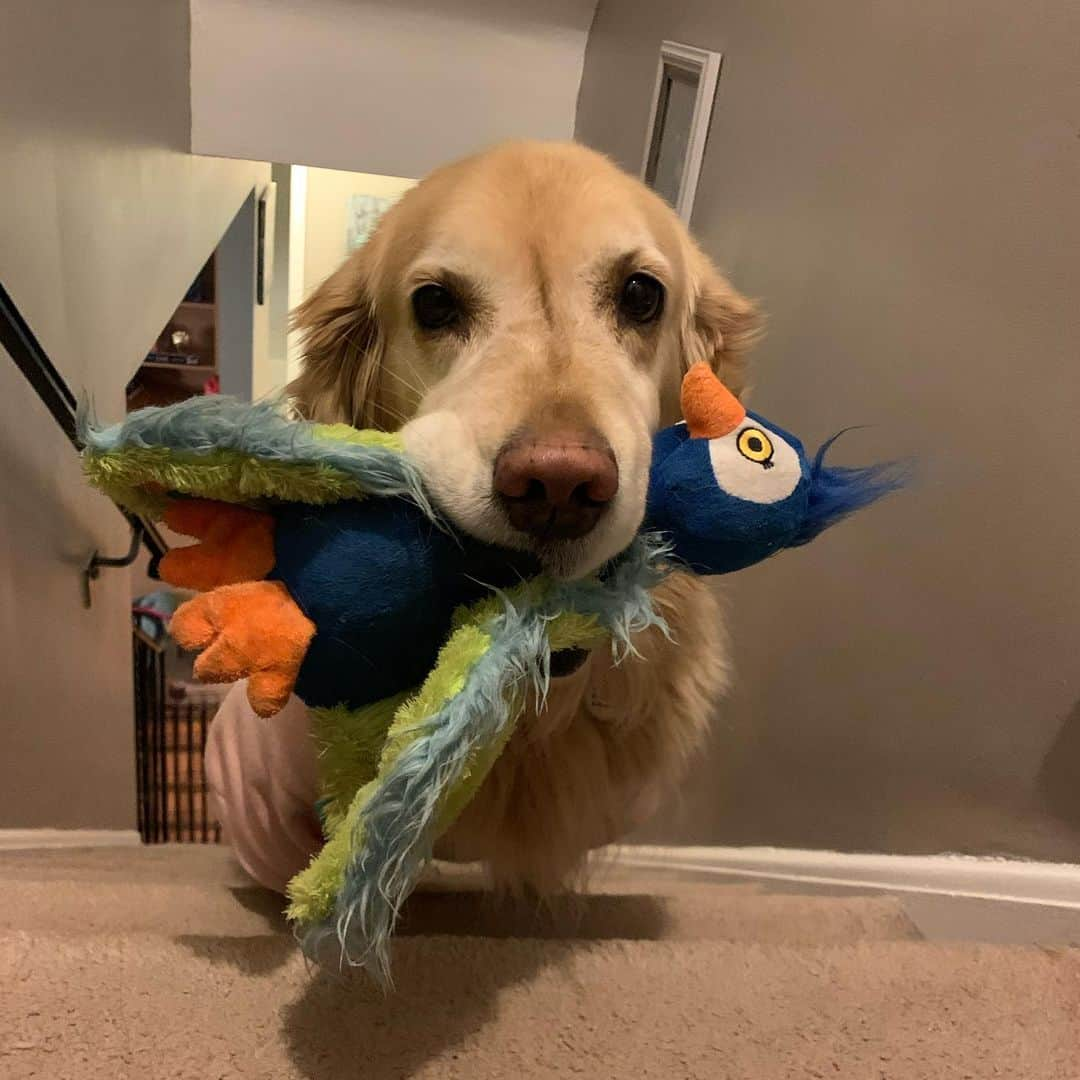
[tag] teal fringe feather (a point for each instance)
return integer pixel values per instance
(205, 425)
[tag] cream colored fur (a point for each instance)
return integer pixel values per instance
(539, 235)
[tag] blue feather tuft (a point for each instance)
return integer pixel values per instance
(836, 491)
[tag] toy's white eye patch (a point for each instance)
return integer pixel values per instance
(754, 464)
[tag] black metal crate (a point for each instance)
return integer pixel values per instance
(170, 745)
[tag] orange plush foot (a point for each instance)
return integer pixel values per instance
(253, 630)
(237, 545)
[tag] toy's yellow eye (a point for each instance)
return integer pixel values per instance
(755, 445)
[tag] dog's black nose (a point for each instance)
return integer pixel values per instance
(556, 485)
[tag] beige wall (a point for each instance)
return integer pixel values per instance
(66, 733)
(327, 215)
(311, 240)
(899, 183)
(104, 221)
(392, 86)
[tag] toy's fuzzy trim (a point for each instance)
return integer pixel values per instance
(444, 741)
(223, 449)
(836, 491)
(349, 745)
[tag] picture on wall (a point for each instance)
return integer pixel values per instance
(364, 214)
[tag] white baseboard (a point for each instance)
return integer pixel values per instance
(22, 839)
(986, 878)
(1010, 880)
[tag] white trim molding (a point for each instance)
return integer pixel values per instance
(704, 66)
(298, 189)
(27, 839)
(1007, 880)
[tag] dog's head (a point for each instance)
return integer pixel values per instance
(527, 315)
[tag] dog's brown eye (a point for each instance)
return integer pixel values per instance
(435, 307)
(642, 298)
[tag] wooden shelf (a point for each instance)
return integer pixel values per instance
(153, 365)
(158, 382)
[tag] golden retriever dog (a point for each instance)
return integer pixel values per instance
(526, 315)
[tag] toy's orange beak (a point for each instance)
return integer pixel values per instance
(709, 407)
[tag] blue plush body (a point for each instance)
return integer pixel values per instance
(381, 583)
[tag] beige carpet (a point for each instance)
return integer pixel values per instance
(165, 963)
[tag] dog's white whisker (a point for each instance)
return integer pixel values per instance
(412, 387)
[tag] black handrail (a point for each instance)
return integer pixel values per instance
(49, 385)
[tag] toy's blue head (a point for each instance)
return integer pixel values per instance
(730, 489)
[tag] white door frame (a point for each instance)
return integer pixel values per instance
(705, 67)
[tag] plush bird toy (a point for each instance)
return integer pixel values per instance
(326, 572)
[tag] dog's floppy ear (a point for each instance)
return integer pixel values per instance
(342, 349)
(721, 324)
